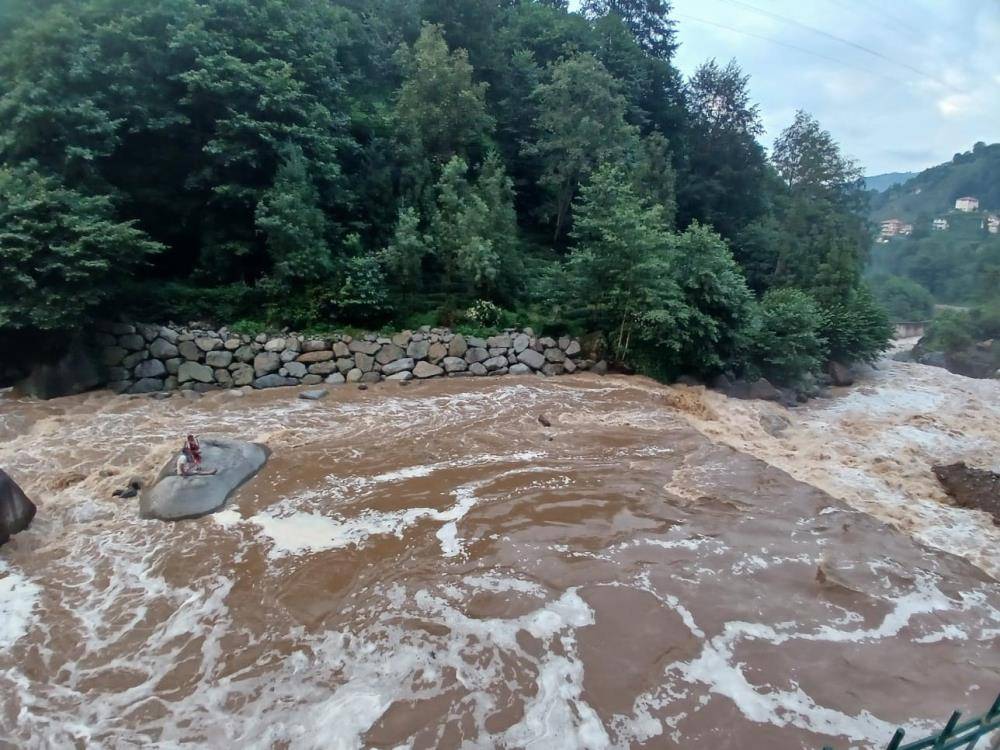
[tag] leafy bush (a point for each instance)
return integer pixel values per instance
(62, 253)
(363, 297)
(717, 299)
(785, 340)
(950, 331)
(857, 329)
(483, 313)
(182, 302)
(903, 298)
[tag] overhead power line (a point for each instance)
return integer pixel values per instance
(780, 43)
(897, 22)
(841, 40)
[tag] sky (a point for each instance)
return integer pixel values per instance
(901, 84)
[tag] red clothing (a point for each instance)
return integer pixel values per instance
(194, 449)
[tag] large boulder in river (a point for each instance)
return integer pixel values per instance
(16, 510)
(174, 497)
(971, 487)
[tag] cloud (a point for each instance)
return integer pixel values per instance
(902, 84)
(956, 105)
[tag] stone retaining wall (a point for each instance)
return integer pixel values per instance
(146, 358)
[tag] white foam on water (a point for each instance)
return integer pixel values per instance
(18, 599)
(296, 532)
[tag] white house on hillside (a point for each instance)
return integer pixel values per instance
(993, 223)
(940, 224)
(967, 204)
(895, 227)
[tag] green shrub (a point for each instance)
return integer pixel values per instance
(182, 302)
(484, 313)
(950, 331)
(785, 339)
(63, 253)
(903, 298)
(857, 329)
(363, 297)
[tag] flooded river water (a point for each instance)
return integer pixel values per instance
(431, 567)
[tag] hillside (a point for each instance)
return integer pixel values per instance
(882, 182)
(933, 191)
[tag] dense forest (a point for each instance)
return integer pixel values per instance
(396, 162)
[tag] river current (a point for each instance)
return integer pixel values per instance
(430, 566)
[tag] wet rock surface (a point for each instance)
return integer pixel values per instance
(173, 497)
(971, 487)
(16, 510)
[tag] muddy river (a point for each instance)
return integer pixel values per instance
(432, 567)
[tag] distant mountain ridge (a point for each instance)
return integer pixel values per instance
(933, 192)
(882, 182)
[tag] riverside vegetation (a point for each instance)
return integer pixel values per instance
(405, 163)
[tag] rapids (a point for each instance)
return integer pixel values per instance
(429, 567)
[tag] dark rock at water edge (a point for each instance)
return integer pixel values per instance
(980, 360)
(16, 510)
(78, 370)
(314, 395)
(840, 374)
(971, 487)
(173, 497)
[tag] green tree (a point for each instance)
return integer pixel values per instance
(618, 275)
(363, 294)
(821, 210)
(580, 124)
(786, 342)
(648, 20)
(718, 301)
(809, 159)
(473, 229)
(903, 298)
(440, 108)
(654, 176)
(405, 253)
(295, 226)
(856, 328)
(723, 184)
(63, 253)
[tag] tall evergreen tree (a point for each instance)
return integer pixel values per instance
(726, 169)
(648, 20)
(440, 108)
(294, 225)
(581, 123)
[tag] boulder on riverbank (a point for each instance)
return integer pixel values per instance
(173, 497)
(16, 510)
(980, 360)
(78, 370)
(971, 488)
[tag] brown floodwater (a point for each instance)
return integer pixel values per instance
(431, 567)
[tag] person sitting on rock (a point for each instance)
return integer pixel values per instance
(187, 466)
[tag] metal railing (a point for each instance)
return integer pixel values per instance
(954, 735)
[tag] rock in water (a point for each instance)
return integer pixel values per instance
(840, 374)
(78, 370)
(314, 395)
(971, 488)
(173, 497)
(16, 510)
